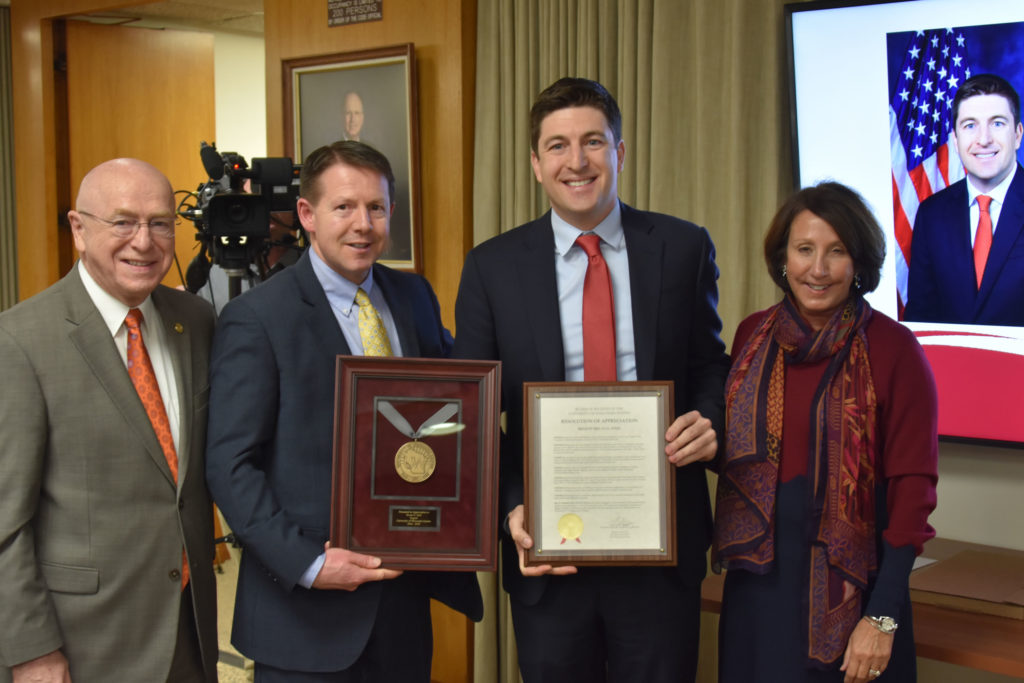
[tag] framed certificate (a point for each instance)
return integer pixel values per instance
(599, 489)
(415, 461)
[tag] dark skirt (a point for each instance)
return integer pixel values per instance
(759, 635)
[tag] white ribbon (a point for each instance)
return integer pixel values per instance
(399, 422)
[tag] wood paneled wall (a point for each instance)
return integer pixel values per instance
(444, 33)
(39, 184)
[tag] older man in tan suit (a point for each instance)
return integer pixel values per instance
(105, 521)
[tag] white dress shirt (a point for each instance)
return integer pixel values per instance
(113, 313)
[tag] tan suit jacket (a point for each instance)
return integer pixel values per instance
(91, 523)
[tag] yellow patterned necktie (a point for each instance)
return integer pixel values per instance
(371, 328)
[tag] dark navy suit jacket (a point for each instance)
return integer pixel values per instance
(269, 462)
(507, 310)
(942, 286)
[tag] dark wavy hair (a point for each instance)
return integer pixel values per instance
(574, 92)
(849, 216)
(348, 152)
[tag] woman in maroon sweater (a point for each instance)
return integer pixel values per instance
(829, 470)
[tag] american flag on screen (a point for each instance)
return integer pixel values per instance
(924, 157)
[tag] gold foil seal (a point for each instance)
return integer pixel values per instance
(415, 462)
(570, 527)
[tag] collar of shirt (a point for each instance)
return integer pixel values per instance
(341, 296)
(340, 291)
(112, 310)
(570, 273)
(609, 230)
(113, 313)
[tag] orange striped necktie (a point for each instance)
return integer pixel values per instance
(140, 369)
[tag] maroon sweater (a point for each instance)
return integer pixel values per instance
(906, 430)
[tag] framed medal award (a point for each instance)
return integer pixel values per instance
(598, 487)
(415, 461)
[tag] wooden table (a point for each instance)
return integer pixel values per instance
(978, 641)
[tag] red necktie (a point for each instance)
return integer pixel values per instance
(598, 315)
(983, 238)
(140, 369)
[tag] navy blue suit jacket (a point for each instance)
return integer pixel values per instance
(507, 310)
(269, 462)
(942, 286)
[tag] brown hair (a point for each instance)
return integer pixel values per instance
(849, 216)
(348, 152)
(574, 92)
(987, 84)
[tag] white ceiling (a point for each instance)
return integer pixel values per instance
(239, 16)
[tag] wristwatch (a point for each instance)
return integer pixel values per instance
(886, 625)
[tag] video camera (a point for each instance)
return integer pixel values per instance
(233, 224)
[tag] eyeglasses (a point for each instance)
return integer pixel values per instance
(127, 227)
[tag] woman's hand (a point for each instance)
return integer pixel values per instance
(867, 653)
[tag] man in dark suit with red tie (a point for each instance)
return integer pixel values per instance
(967, 252)
(597, 290)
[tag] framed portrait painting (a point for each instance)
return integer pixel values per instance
(370, 96)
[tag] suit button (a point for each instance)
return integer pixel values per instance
(175, 575)
(181, 503)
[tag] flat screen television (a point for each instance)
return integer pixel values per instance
(871, 85)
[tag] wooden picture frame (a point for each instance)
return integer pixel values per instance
(416, 461)
(598, 487)
(370, 95)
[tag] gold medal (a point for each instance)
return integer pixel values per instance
(415, 462)
(570, 527)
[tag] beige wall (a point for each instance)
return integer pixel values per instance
(241, 94)
(981, 494)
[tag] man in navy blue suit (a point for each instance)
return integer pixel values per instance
(967, 252)
(521, 301)
(306, 611)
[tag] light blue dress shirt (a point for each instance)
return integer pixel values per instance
(341, 294)
(571, 271)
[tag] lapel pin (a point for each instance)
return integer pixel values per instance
(179, 328)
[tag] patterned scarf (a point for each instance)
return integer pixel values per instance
(841, 469)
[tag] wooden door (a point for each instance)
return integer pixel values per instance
(144, 93)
